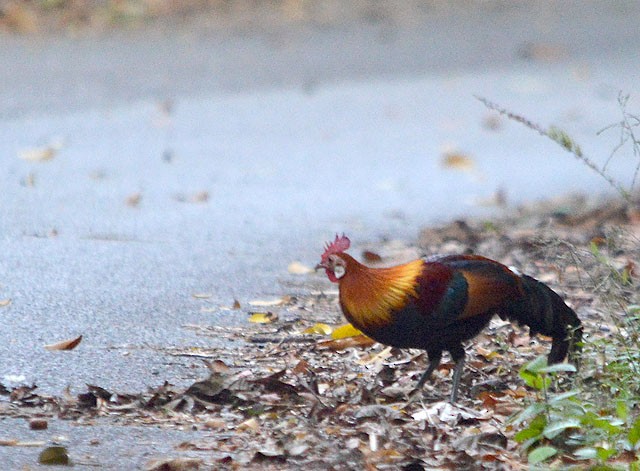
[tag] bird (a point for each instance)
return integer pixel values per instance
(438, 303)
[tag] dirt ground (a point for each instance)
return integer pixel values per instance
(294, 393)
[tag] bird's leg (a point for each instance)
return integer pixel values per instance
(434, 361)
(457, 354)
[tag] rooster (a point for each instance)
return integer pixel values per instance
(438, 303)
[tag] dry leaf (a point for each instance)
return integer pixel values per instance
(175, 464)
(263, 317)
(133, 200)
(486, 353)
(319, 328)
(297, 268)
(38, 424)
(198, 197)
(5, 302)
(270, 302)
(348, 342)
(377, 358)
(65, 344)
(236, 304)
(458, 161)
(13, 442)
(251, 424)
(202, 295)
(38, 154)
(344, 331)
(42, 154)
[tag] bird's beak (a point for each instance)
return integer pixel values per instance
(319, 266)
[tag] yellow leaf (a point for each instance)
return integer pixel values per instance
(344, 331)
(38, 154)
(263, 317)
(319, 328)
(457, 161)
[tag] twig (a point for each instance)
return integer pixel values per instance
(564, 140)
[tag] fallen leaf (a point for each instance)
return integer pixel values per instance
(263, 317)
(319, 328)
(202, 295)
(41, 154)
(377, 358)
(54, 455)
(297, 268)
(270, 302)
(38, 424)
(65, 344)
(198, 197)
(348, 342)
(133, 200)
(236, 304)
(175, 464)
(19, 443)
(5, 302)
(457, 161)
(518, 340)
(344, 331)
(251, 424)
(486, 353)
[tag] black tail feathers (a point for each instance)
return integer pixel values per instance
(545, 312)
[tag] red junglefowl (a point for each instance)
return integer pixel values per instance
(438, 303)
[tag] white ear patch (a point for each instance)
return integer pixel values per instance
(339, 270)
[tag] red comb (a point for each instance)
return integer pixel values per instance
(340, 244)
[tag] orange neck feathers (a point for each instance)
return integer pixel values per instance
(369, 296)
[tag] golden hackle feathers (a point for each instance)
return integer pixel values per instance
(369, 296)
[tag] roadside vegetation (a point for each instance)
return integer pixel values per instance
(597, 420)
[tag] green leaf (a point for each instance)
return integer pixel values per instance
(527, 434)
(622, 410)
(541, 454)
(534, 429)
(610, 425)
(533, 410)
(634, 432)
(555, 428)
(605, 453)
(558, 367)
(529, 378)
(535, 366)
(563, 396)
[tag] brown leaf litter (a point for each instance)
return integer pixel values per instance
(288, 395)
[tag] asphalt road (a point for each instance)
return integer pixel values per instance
(205, 161)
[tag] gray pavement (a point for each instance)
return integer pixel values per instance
(294, 133)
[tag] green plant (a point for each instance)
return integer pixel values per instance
(570, 423)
